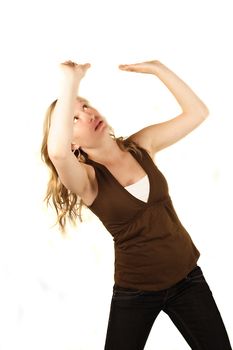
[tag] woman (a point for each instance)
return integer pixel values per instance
(155, 258)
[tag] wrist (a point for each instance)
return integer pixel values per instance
(69, 80)
(71, 77)
(157, 67)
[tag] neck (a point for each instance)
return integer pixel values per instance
(107, 154)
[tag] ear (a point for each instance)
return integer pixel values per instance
(74, 146)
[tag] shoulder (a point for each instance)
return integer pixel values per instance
(142, 144)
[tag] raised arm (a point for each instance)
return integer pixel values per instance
(61, 127)
(72, 173)
(194, 111)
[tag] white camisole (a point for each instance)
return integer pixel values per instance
(140, 189)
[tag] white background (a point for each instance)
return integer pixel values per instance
(55, 293)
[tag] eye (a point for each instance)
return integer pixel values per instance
(85, 107)
(76, 118)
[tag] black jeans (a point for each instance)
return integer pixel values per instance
(189, 304)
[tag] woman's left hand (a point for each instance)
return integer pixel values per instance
(148, 67)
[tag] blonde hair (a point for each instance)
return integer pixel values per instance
(67, 204)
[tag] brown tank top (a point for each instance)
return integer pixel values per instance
(153, 250)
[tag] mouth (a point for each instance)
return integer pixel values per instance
(99, 124)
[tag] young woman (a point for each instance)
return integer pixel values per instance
(155, 258)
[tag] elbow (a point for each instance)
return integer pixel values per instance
(205, 112)
(202, 112)
(55, 157)
(58, 150)
(55, 154)
(199, 114)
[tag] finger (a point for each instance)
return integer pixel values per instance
(129, 68)
(87, 65)
(124, 66)
(69, 63)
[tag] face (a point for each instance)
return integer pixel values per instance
(89, 126)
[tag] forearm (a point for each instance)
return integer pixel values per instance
(187, 99)
(61, 129)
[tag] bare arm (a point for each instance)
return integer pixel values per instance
(194, 111)
(61, 128)
(72, 173)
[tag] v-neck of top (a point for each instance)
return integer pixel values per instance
(145, 203)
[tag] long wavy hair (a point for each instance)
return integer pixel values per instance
(67, 204)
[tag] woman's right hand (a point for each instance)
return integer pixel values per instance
(71, 69)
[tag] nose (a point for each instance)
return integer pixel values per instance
(91, 117)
